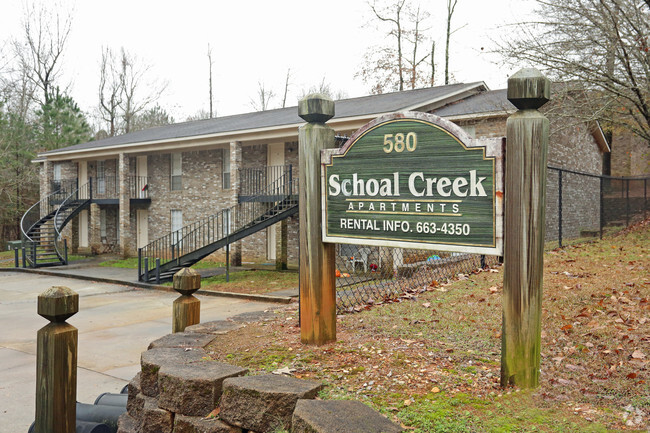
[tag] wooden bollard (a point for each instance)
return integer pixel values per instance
(56, 362)
(187, 308)
(525, 198)
(317, 259)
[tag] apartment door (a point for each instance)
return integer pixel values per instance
(275, 160)
(141, 181)
(142, 227)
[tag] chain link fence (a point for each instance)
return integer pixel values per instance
(368, 275)
(583, 206)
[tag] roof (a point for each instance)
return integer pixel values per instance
(490, 102)
(345, 108)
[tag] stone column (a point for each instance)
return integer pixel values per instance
(74, 241)
(94, 231)
(45, 184)
(235, 182)
(125, 206)
(281, 243)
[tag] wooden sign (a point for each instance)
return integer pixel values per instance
(414, 180)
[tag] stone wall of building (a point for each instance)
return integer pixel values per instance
(630, 155)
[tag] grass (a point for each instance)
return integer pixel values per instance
(252, 281)
(432, 362)
(7, 259)
(132, 263)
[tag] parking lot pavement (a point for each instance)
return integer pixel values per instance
(115, 322)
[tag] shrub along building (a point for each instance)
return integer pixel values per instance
(231, 180)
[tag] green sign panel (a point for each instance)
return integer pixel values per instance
(414, 180)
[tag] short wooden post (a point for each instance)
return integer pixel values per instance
(56, 362)
(187, 308)
(317, 259)
(525, 198)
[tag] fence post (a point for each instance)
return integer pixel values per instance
(139, 264)
(187, 308)
(16, 260)
(56, 362)
(559, 208)
(527, 133)
(602, 206)
(627, 202)
(317, 259)
(146, 269)
(24, 257)
(645, 197)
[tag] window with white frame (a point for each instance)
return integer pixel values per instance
(177, 224)
(56, 176)
(176, 182)
(225, 168)
(101, 177)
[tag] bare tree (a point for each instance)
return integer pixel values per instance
(210, 63)
(601, 47)
(125, 90)
(40, 51)
(324, 88)
(400, 64)
(396, 20)
(110, 91)
(451, 6)
(135, 77)
(264, 97)
(286, 87)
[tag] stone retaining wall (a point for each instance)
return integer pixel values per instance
(180, 389)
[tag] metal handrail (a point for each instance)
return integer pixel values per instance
(84, 192)
(220, 225)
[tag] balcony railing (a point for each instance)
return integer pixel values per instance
(108, 187)
(271, 181)
(139, 187)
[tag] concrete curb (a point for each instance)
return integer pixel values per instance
(141, 285)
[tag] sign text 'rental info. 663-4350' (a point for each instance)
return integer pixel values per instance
(414, 180)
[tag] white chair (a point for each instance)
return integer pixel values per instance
(360, 257)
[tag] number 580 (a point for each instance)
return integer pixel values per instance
(399, 142)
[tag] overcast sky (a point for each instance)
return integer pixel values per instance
(258, 40)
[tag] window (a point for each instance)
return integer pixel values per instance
(101, 177)
(225, 168)
(56, 177)
(177, 224)
(176, 172)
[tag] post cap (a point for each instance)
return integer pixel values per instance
(58, 303)
(316, 107)
(529, 89)
(187, 281)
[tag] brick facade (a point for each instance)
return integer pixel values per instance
(202, 192)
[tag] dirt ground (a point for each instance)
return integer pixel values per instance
(430, 359)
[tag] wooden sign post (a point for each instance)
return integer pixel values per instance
(187, 308)
(525, 198)
(56, 362)
(317, 260)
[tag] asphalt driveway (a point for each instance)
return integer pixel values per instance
(115, 322)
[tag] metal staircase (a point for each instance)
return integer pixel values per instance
(42, 224)
(162, 258)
